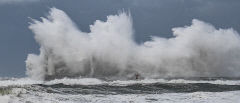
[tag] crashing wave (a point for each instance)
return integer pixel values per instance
(109, 50)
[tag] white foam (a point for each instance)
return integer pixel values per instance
(94, 81)
(83, 81)
(18, 82)
(197, 97)
(149, 81)
(4, 99)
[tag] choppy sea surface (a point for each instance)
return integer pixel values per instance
(91, 90)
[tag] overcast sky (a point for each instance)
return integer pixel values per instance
(150, 17)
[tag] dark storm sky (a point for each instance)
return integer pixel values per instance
(150, 17)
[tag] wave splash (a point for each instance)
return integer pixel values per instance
(109, 50)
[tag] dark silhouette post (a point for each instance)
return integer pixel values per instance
(137, 76)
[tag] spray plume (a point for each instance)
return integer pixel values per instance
(109, 51)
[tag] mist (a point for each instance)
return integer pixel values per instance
(109, 50)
